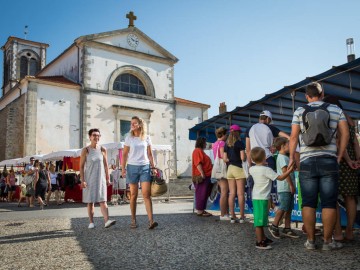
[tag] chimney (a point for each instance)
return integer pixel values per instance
(350, 47)
(222, 108)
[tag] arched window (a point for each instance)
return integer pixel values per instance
(33, 67)
(6, 72)
(23, 66)
(129, 83)
(29, 63)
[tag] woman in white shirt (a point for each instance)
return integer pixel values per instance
(139, 161)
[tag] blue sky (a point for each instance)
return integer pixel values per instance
(229, 50)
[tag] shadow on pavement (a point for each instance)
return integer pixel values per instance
(13, 206)
(185, 241)
(33, 237)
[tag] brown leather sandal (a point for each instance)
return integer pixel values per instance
(153, 225)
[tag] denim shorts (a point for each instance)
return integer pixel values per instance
(319, 175)
(136, 173)
(286, 201)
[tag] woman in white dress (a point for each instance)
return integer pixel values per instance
(94, 175)
(139, 161)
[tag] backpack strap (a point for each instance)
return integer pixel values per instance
(306, 109)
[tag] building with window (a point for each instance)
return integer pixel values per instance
(101, 80)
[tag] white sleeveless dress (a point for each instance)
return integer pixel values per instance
(96, 190)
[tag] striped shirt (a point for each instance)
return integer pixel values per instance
(336, 115)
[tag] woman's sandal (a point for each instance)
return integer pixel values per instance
(153, 225)
(204, 214)
(133, 225)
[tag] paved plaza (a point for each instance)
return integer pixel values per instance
(58, 238)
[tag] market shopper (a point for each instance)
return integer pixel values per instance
(319, 160)
(234, 155)
(55, 188)
(263, 176)
(137, 163)
(3, 189)
(41, 184)
(262, 135)
(10, 182)
(201, 174)
(30, 170)
(218, 149)
(348, 178)
(94, 175)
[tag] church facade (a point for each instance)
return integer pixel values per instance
(101, 80)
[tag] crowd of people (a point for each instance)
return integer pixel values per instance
(322, 147)
(37, 180)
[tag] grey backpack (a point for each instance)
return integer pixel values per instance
(316, 120)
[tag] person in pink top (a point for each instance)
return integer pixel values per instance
(218, 147)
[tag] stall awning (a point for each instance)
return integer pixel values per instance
(340, 81)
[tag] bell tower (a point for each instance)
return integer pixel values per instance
(21, 58)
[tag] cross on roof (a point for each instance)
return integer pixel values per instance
(131, 18)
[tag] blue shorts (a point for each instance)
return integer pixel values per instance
(136, 173)
(286, 201)
(319, 175)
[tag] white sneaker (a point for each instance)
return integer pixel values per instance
(233, 220)
(310, 246)
(332, 246)
(91, 226)
(224, 218)
(109, 223)
(243, 220)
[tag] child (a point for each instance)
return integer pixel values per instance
(286, 190)
(262, 176)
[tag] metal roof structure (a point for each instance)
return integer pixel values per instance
(342, 82)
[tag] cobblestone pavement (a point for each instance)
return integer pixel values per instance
(58, 238)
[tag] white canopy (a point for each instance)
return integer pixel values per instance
(161, 147)
(120, 145)
(10, 162)
(60, 154)
(73, 153)
(114, 145)
(27, 159)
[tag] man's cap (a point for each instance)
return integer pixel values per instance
(235, 128)
(32, 158)
(266, 113)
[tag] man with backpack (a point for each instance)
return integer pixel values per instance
(319, 126)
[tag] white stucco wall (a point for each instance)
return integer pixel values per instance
(66, 65)
(186, 118)
(121, 41)
(102, 115)
(104, 63)
(58, 123)
(10, 97)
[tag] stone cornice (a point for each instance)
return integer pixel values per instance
(127, 95)
(124, 51)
